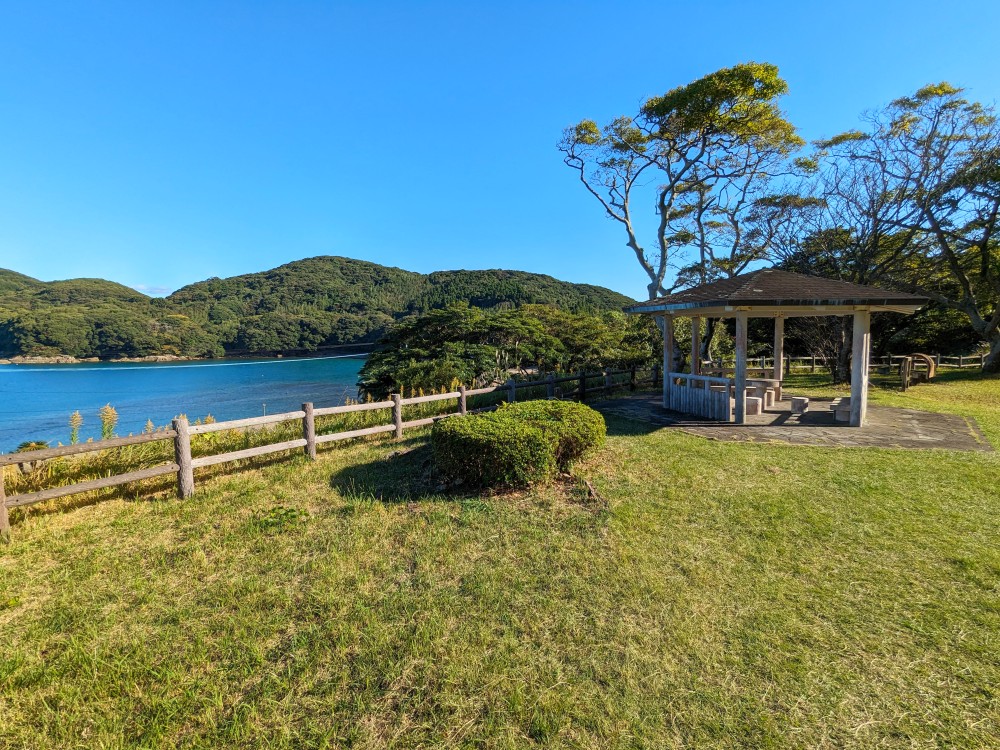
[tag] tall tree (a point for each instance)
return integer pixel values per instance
(932, 161)
(843, 225)
(712, 149)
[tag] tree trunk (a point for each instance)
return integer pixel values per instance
(678, 363)
(992, 363)
(840, 369)
(706, 340)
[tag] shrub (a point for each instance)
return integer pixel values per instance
(516, 445)
(577, 427)
(490, 450)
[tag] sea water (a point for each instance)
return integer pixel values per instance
(36, 401)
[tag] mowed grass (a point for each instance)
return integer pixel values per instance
(713, 595)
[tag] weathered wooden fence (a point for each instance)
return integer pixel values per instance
(184, 463)
(811, 363)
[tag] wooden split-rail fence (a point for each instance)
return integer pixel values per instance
(184, 463)
(815, 361)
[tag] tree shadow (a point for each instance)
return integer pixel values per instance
(404, 475)
(623, 426)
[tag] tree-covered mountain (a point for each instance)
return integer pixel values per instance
(300, 306)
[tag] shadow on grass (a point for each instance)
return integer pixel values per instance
(404, 475)
(622, 426)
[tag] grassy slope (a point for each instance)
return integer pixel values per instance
(729, 595)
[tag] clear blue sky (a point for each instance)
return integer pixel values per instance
(159, 144)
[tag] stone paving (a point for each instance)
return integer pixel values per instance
(885, 426)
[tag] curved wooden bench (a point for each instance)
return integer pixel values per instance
(928, 360)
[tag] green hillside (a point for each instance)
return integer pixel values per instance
(300, 306)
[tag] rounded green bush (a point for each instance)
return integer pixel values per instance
(516, 445)
(577, 427)
(487, 450)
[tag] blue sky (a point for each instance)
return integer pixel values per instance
(159, 144)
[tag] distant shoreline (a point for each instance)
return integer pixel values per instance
(361, 349)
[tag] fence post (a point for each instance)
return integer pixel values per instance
(397, 414)
(937, 360)
(583, 386)
(4, 518)
(462, 405)
(813, 365)
(631, 379)
(550, 386)
(982, 361)
(182, 456)
(511, 391)
(309, 430)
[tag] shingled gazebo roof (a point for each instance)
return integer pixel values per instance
(770, 291)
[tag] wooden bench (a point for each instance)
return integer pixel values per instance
(841, 408)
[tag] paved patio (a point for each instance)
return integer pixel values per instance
(885, 427)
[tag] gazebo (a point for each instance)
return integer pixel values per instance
(766, 293)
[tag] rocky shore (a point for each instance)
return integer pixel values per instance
(63, 359)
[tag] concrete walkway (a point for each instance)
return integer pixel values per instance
(885, 427)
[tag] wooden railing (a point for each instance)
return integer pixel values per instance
(181, 431)
(692, 394)
(814, 361)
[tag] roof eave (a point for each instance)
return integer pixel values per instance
(829, 307)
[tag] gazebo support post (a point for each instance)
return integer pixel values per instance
(668, 358)
(860, 351)
(741, 368)
(696, 346)
(779, 346)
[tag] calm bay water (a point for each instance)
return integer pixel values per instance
(36, 400)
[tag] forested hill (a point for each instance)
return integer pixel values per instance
(300, 306)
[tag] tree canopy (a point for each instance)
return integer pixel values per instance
(475, 347)
(713, 149)
(908, 201)
(917, 191)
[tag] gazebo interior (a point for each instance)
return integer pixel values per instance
(766, 293)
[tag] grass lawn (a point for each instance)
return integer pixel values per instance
(715, 595)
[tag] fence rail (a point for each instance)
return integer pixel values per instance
(185, 463)
(813, 361)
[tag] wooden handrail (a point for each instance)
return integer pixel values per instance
(30, 498)
(333, 436)
(428, 399)
(350, 408)
(44, 454)
(482, 391)
(261, 450)
(235, 424)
